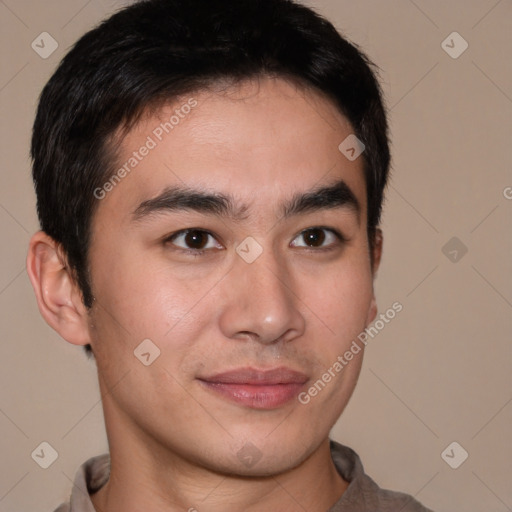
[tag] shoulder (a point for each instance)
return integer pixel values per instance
(89, 478)
(390, 501)
(363, 494)
(63, 508)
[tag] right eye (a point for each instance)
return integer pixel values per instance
(193, 241)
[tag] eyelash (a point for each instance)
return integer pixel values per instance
(200, 252)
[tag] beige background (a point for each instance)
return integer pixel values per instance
(439, 372)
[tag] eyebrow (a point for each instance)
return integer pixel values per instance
(181, 198)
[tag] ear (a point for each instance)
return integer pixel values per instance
(375, 263)
(58, 296)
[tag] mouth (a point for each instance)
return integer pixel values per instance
(257, 389)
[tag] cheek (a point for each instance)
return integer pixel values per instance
(147, 299)
(131, 311)
(342, 299)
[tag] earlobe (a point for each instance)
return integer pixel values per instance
(377, 250)
(376, 257)
(58, 297)
(372, 311)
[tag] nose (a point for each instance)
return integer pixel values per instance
(261, 302)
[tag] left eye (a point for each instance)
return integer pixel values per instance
(315, 237)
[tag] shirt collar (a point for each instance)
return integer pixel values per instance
(90, 477)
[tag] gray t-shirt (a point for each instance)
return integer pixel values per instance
(361, 495)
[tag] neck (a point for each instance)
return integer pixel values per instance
(138, 482)
(149, 476)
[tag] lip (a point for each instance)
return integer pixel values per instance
(257, 389)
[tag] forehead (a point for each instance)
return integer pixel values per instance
(257, 141)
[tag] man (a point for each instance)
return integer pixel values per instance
(209, 177)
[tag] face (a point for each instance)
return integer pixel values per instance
(247, 296)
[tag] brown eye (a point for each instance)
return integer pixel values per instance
(318, 237)
(314, 237)
(194, 240)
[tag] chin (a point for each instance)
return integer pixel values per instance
(261, 456)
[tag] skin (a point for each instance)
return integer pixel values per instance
(173, 443)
